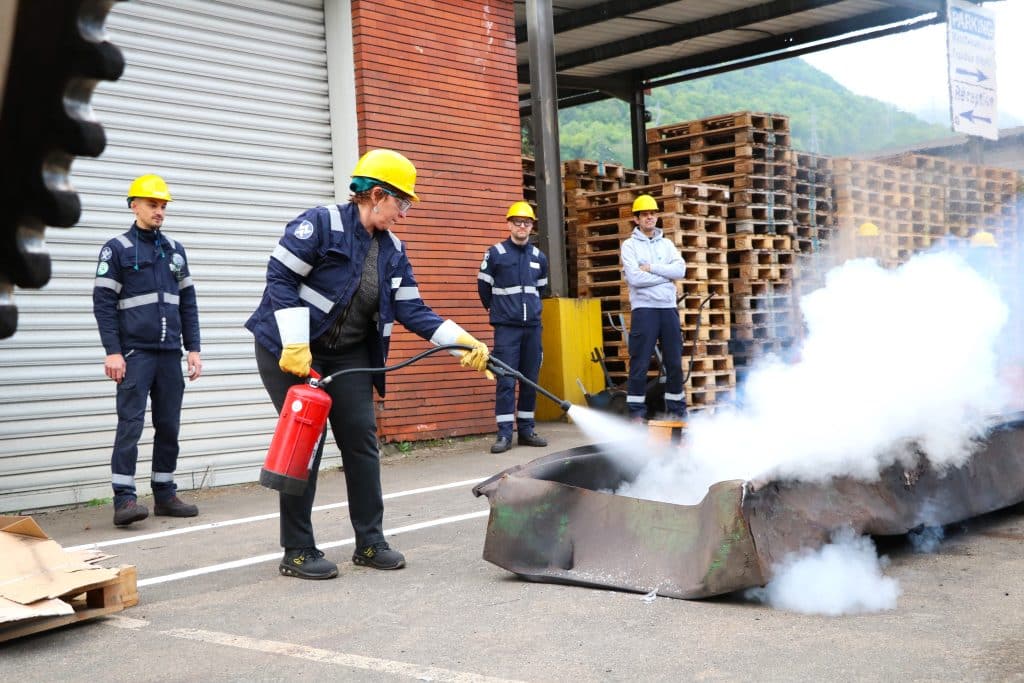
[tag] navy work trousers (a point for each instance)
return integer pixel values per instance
(647, 327)
(354, 426)
(157, 376)
(520, 348)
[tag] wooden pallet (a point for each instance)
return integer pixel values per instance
(89, 602)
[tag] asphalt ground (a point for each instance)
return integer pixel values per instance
(214, 608)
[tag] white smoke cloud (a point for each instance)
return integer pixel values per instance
(891, 357)
(842, 577)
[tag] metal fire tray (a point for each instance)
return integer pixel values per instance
(555, 518)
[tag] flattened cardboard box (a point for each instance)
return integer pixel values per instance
(35, 571)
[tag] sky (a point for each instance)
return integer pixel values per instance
(910, 69)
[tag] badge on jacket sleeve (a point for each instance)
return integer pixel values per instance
(303, 230)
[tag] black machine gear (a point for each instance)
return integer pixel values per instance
(52, 55)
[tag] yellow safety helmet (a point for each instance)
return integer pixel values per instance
(521, 210)
(644, 202)
(388, 167)
(983, 238)
(149, 185)
(868, 229)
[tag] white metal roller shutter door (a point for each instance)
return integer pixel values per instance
(227, 100)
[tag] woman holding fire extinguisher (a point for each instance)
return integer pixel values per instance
(336, 283)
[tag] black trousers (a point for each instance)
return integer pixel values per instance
(354, 426)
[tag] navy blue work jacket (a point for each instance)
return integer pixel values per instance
(143, 296)
(511, 280)
(318, 264)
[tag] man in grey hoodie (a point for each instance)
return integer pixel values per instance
(651, 264)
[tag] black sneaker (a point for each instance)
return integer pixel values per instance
(307, 563)
(502, 444)
(532, 439)
(379, 556)
(175, 507)
(129, 512)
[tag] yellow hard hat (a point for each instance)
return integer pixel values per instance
(867, 230)
(388, 167)
(644, 202)
(149, 185)
(521, 210)
(983, 238)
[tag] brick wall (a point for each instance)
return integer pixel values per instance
(436, 81)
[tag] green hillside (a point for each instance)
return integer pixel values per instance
(824, 116)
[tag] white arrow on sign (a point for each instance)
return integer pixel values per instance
(970, 42)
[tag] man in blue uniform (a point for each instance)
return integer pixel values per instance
(512, 277)
(145, 306)
(651, 264)
(337, 282)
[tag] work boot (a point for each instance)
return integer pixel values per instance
(128, 512)
(379, 556)
(501, 445)
(175, 507)
(532, 439)
(307, 563)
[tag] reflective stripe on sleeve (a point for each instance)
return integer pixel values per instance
(407, 293)
(485, 277)
(108, 284)
(291, 261)
(315, 298)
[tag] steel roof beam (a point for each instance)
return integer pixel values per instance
(595, 14)
(783, 41)
(682, 32)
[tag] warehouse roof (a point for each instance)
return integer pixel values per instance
(607, 48)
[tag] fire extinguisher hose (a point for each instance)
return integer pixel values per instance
(495, 365)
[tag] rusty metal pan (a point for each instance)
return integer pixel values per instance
(558, 519)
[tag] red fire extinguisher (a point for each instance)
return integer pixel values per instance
(299, 430)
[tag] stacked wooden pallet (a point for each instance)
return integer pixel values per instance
(581, 177)
(749, 153)
(814, 226)
(907, 207)
(694, 217)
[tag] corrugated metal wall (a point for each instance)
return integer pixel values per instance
(437, 80)
(228, 101)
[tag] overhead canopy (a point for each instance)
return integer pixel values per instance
(571, 52)
(612, 48)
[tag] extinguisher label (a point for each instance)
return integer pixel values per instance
(296, 406)
(313, 453)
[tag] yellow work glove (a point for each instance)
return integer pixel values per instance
(296, 359)
(478, 357)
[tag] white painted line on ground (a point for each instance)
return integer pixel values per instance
(259, 518)
(245, 562)
(313, 654)
(125, 622)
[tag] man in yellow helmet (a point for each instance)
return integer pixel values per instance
(651, 265)
(337, 282)
(145, 306)
(512, 278)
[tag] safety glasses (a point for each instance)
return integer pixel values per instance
(522, 222)
(403, 203)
